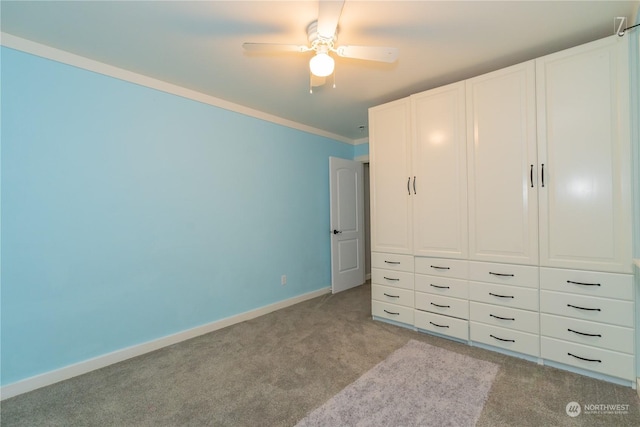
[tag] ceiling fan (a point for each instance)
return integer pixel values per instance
(322, 35)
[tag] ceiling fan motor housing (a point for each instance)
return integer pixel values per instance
(315, 39)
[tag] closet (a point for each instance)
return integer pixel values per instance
(390, 179)
(439, 172)
(503, 187)
(501, 211)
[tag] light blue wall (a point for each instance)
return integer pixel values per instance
(635, 138)
(360, 150)
(129, 214)
(634, 35)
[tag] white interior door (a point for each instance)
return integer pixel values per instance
(347, 224)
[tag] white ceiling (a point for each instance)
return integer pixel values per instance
(198, 45)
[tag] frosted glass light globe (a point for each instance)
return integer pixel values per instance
(322, 65)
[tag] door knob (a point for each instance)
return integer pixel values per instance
(337, 232)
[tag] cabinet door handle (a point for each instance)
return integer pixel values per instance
(391, 296)
(583, 308)
(502, 274)
(391, 312)
(542, 175)
(531, 176)
(502, 318)
(414, 185)
(392, 262)
(586, 335)
(583, 284)
(501, 296)
(501, 339)
(440, 268)
(391, 278)
(408, 183)
(439, 326)
(439, 287)
(584, 358)
(441, 306)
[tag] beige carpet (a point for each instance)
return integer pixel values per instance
(417, 385)
(274, 370)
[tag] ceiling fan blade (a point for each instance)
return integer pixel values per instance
(370, 53)
(329, 12)
(273, 47)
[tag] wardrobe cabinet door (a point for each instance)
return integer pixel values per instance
(501, 150)
(390, 163)
(584, 149)
(439, 183)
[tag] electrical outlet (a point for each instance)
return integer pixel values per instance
(283, 280)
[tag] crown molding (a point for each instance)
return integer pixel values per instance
(64, 57)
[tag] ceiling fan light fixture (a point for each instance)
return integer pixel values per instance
(321, 65)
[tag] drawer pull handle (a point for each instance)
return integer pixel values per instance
(585, 359)
(441, 306)
(439, 287)
(391, 312)
(586, 335)
(502, 318)
(391, 296)
(391, 278)
(502, 274)
(583, 308)
(501, 296)
(392, 262)
(408, 182)
(440, 268)
(439, 326)
(583, 284)
(501, 339)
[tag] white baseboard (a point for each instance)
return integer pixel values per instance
(48, 378)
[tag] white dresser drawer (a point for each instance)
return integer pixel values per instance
(444, 267)
(521, 342)
(450, 326)
(593, 283)
(508, 296)
(504, 274)
(506, 317)
(446, 286)
(609, 337)
(394, 312)
(392, 261)
(392, 295)
(594, 359)
(442, 305)
(396, 279)
(604, 310)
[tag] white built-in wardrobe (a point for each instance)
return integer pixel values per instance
(501, 211)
